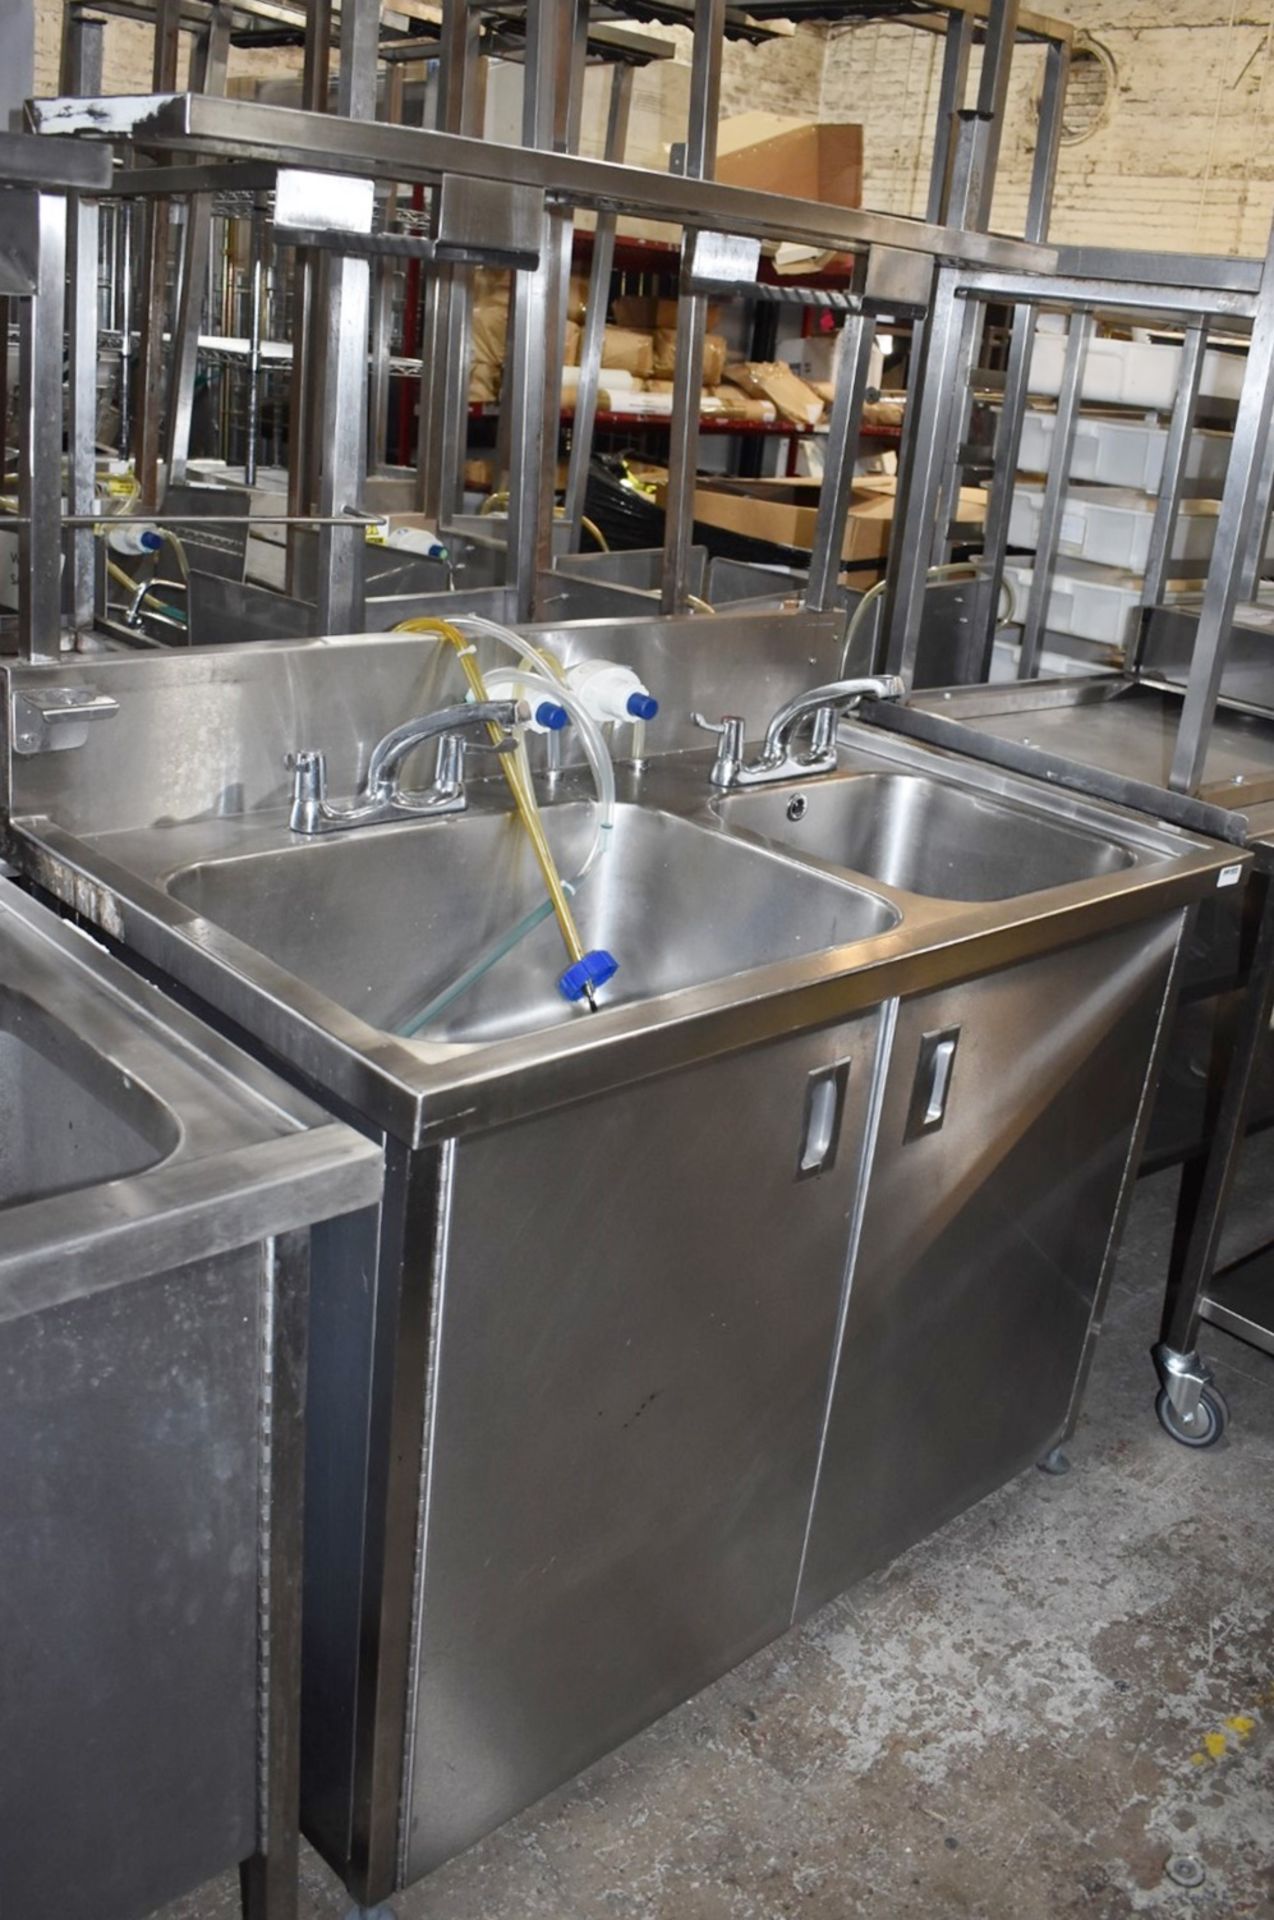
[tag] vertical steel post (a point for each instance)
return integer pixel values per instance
(1240, 504)
(548, 27)
(81, 74)
(444, 354)
(344, 408)
(1008, 435)
(40, 334)
(999, 41)
(208, 64)
(590, 358)
(692, 312)
(306, 318)
(972, 138)
(80, 62)
(1055, 489)
(386, 280)
(154, 280)
(126, 222)
(919, 474)
(956, 45)
(82, 235)
(1168, 505)
(838, 469)
(256, 285)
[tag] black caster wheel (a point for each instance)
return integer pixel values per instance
(1209, 1423)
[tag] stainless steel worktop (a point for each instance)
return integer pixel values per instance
(145, 1139)
(320, 949)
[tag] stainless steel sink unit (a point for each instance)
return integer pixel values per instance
(675, 1317)
(156, 1193)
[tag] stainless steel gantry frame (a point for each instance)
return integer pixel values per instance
(505, 182)
(1194, 292)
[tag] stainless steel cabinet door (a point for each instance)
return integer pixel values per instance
(1009, 1108)
(639, 1308)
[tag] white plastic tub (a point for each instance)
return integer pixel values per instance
(1121, 453)
(1132, 373)
(1054, 665)
(1111, 527)
(1087, 603)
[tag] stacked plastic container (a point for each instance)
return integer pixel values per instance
(1128, 391)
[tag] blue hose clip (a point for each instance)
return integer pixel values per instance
(594, 970)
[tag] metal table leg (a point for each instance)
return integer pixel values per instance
(1189, 1406)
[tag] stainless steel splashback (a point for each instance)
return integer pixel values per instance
(205, 733)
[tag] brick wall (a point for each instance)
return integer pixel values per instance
(1183, 161)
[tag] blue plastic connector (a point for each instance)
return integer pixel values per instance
(549, 714)
(150, 540)
(642, 706)
(594, 970)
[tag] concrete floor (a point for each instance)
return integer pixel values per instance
(1024, 1718)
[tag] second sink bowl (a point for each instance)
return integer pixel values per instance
(923, 837)
(382, 920)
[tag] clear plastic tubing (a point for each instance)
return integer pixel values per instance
(598, 756)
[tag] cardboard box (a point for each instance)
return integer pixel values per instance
(785, 511)
(807, 159)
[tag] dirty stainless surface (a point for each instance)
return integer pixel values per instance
(1030, 1713)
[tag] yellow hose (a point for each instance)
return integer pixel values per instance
(494, 501)
(514, 769)
(123, 579)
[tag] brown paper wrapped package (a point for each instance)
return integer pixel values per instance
(714, 352)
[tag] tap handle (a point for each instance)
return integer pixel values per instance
(308, 767)
(730, 729)
(309, 788)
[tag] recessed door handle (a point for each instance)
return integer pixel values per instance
(824, 1107)
(932, 1087)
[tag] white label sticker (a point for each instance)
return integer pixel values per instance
(1229, 876)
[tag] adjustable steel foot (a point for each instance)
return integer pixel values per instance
(1054, 1462)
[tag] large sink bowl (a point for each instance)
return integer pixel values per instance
(382, 920)
(924, 837)
(75, 1118)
